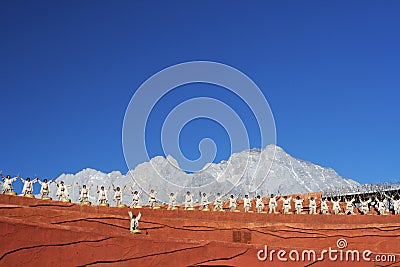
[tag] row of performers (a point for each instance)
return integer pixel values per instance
(382, 202)
(63, 195)
(62, 190)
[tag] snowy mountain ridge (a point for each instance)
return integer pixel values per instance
(265, 171)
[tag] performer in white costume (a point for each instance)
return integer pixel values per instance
(218, 202)
(233, 202)
(102, 196)
(62, 191)
(7, 185)
(286, 204)
(152, 198)
(336, 206)
(388, 201)
(188, 200)
(27, 189)
(246, 203)
(136, 198)
(172, 201)
(324, 206)
(259, 204)
(272, 204)
(118, 195)
(204, 201)
(365, 205)
(312, 205)
(396, 205)
(381, 206)
(45, 188)
(84, 193)
(134, 221)
(349, 205)
(298, 205)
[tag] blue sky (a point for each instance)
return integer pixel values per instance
(330, 71)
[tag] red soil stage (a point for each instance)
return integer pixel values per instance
(37, 232)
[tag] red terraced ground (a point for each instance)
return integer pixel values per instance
(36, 232)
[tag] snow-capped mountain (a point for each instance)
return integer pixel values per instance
(265, 171)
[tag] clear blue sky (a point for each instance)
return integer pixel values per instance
(330, 71)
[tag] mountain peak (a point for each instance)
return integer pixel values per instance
(266, 170)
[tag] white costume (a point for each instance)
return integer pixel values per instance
(247, 204)
(364, 206)
(324, 207)
(44, 189)
(152, 198)
(336, 206)
(396, 206)
(134, 221)
(313, 206)
(349, 206)
(28, 186)
(188, 201)
(218, 202)
(84, 194)
(62, 191)
(387, 202)
(136, 199)
(232, 203)
(172, 201)
(286, 205)
(7, 185)
(102, 199)
(204, 202)
(117, 196)
(381, 207)
(298, 204)
(259, 204)
(272, 204)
